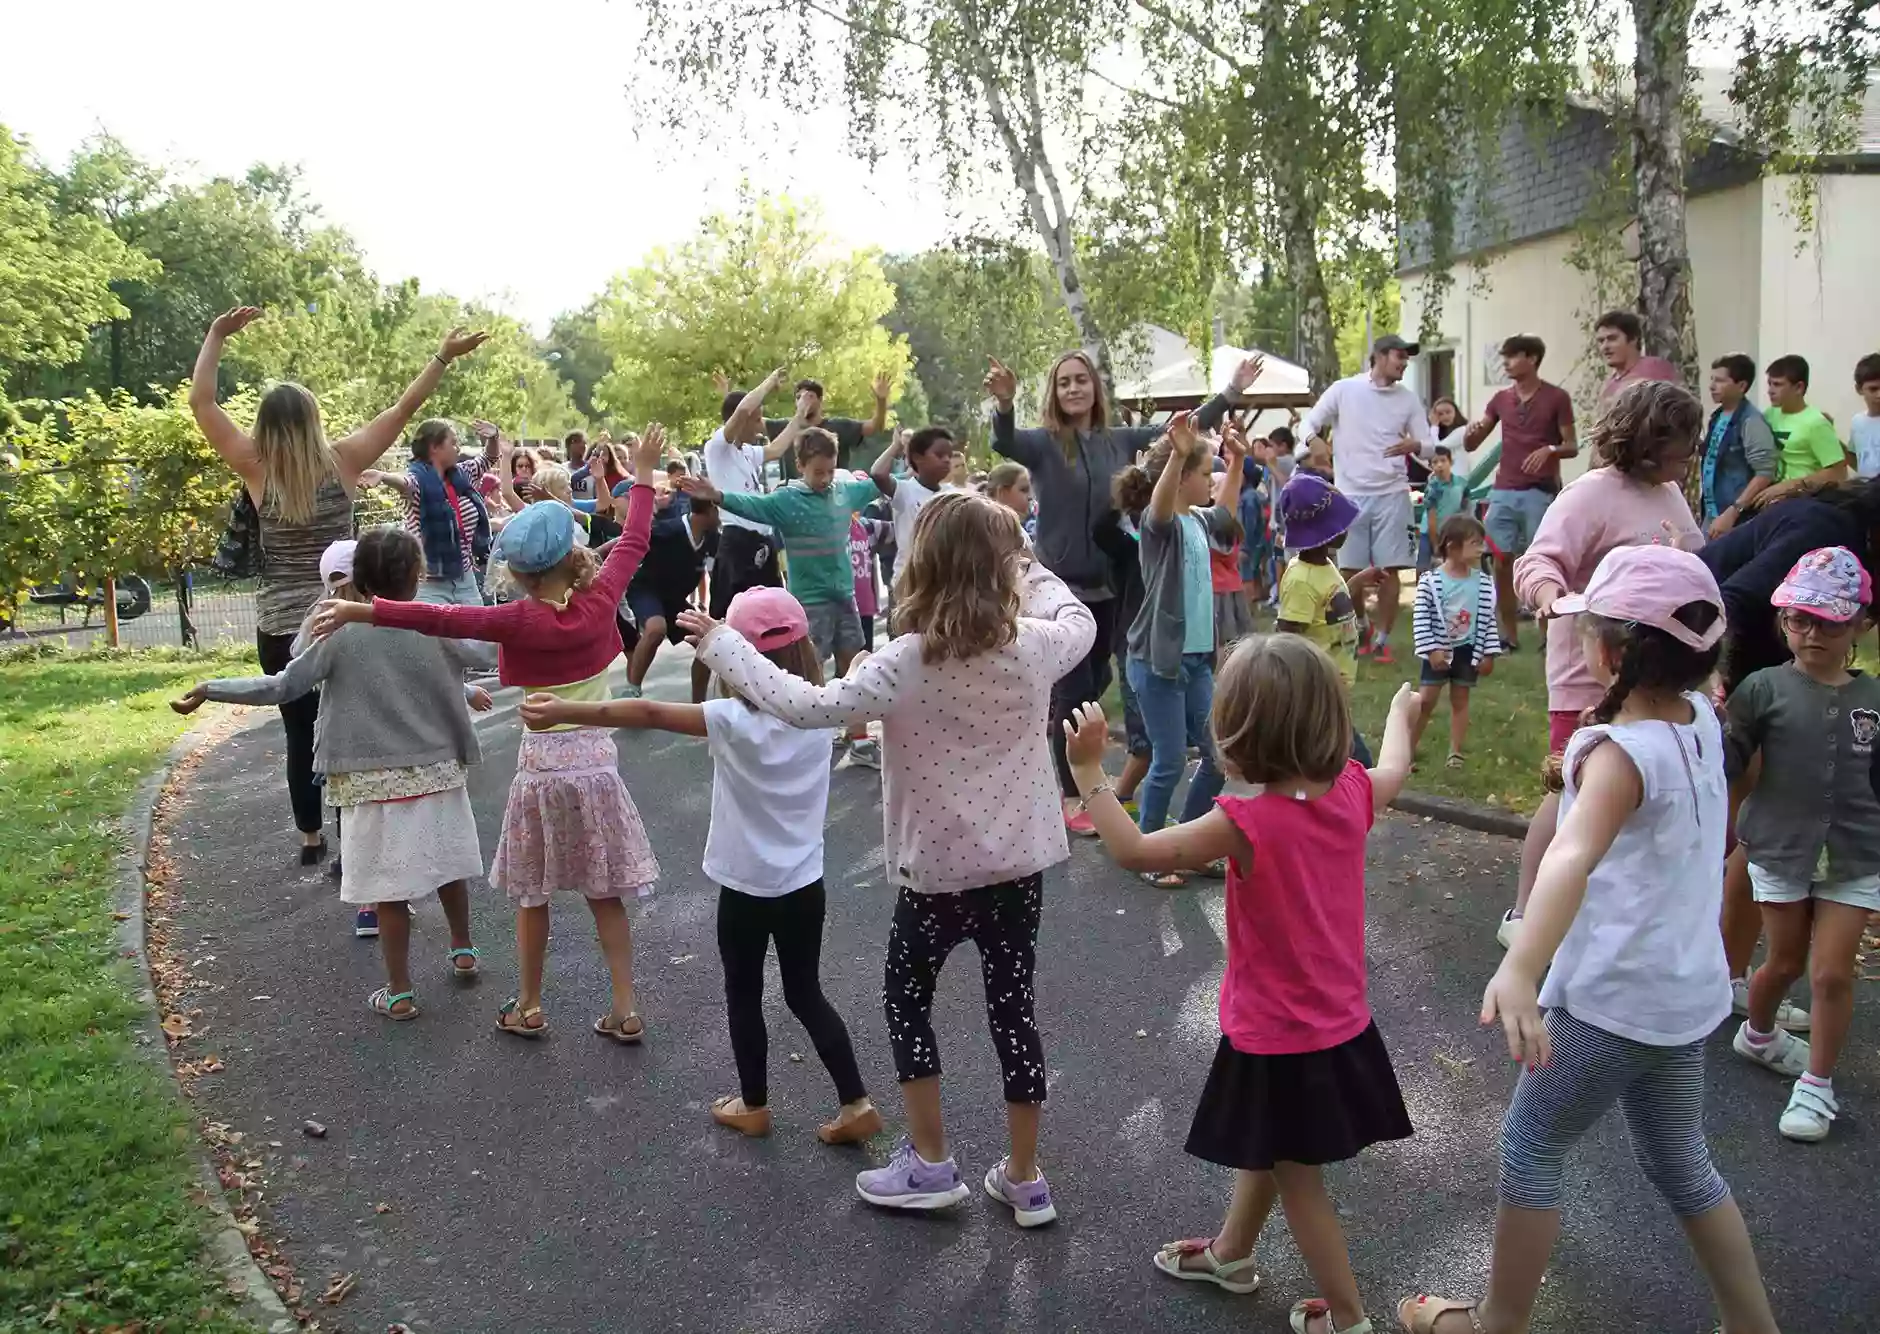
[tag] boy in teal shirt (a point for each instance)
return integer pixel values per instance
(1811, 455)
(1444, 494)
(812, 513)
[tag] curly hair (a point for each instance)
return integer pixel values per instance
(958, 587)
(1131, 488)
(579, 567)
(387, 563)
(1643, 422)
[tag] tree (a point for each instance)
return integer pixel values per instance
(576, 335)
(56, 268)
(949, 76)
(750, 292)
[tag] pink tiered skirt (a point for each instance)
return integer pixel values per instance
(570, 824)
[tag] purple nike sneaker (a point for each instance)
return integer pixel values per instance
(1030, 1201)
(911, 1182)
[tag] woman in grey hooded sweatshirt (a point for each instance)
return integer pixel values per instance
(1073, 455)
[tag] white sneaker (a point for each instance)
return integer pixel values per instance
(629, 691)
(865, 751)
(1788, 1014)
(1810, 1112)
(1504, 934)
(1785, 1053)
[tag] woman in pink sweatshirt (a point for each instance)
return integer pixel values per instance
(1632, 496)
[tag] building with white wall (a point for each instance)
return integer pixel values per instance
(1761, 284)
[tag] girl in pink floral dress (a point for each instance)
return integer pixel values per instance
(569, 824)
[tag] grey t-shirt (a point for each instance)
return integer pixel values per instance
(1817, 787)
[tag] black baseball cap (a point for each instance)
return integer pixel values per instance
(1391, 342)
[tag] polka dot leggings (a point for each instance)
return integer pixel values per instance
(1002, 920)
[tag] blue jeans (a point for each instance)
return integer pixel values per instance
(1175, 712)
(461, 591)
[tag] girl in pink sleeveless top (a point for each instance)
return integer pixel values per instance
(1301, 1077)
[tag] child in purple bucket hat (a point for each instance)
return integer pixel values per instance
(1315, 600)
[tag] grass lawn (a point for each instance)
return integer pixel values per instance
(97, 1229)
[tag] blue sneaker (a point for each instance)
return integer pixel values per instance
(1030, 1201)
(366, 924)
(911, 1182)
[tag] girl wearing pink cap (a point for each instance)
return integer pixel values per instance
(1812, 826)
(770, 791)
(1623, 923)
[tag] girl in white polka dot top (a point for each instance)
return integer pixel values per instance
(970, 808)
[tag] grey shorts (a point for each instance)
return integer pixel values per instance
(1861, 892)
(834, 628)
(1380, 535)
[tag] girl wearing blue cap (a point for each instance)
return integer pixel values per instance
(569, 824)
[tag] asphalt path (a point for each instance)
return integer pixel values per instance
(575, 1185)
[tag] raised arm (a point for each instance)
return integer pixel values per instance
(881, 472)
(868, 692)
(884, 385)
(1246, 374)
(1234, 446)
(785, 440)
(224, 436)
(1188, 443)
(637, 528)
(1025, 447)
(362, 448)
(750, 410)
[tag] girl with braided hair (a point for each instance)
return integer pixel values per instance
(1622, 923)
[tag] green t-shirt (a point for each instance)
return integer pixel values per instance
(1806, 440)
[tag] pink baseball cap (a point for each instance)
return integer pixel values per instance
(769, 617)
(1647, 585)
(1828, 581)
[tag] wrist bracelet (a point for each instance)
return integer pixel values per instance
(439, 359)
(1099, 790)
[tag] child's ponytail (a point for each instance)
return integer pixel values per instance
(1653, 660)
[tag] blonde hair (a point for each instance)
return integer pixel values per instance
(296, 460)
(579, 566)
(1052, 415)
(958, 587)
(1005, 475)
(552, 480)
(1280, 711)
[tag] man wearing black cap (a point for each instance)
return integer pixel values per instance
(1376, 420)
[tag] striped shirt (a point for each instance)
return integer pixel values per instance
(1431, 621)
(290, 559)
(473, 468)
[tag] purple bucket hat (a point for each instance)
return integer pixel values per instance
(1313, 511)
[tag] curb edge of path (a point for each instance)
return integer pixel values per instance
(1468, 815)
(227, 1249)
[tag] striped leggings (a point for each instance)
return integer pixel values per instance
(1660, 1090)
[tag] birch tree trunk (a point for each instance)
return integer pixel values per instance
(1661, 72)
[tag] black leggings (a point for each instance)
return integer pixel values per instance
(746, 926)
(1002, 920)
(297, 719)
(1087, 681)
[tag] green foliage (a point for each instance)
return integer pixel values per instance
(749, 292)
(576, 335)
(56, 268)
(962, 302)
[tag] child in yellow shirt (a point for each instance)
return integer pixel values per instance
(1315, 600)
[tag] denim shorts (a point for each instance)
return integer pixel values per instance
(1860, 892)
(834, 628)
(1514, 516)
(1460, 672)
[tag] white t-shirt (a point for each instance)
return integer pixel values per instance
(770, 792)
(909, 496)
(1643, 958)
(1366, 418)
(732, 467)
(1864, 433)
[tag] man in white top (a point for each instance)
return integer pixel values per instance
(1376, 421)
(734, 461)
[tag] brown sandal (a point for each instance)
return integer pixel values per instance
(752, 1121)
(1419, 1314)
(616, 1029)
(862, 1126)
(514, 1020)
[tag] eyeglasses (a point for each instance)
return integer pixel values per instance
(1802, 623)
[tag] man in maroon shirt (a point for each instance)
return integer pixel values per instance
(1617, 334)
(1536, 420)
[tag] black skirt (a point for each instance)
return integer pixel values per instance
(1310, 1107)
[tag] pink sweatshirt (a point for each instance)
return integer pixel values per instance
(1598, 511)
(969, 797)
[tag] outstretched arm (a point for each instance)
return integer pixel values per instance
(1394, 757)
(1185, 847)
(362, 448)
(541, 711)
(868, 692)
(299, 677)
(223, 435)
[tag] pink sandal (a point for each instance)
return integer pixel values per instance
(1236, 1276)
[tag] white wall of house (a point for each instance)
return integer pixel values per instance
(1753, 292)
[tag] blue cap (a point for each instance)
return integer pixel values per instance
(537, 539)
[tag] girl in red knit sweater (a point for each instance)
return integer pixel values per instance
(569, 824)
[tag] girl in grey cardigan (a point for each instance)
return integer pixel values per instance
(1171, 639)
(396, 743)
(1072, 456)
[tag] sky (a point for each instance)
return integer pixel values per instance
(487, 149)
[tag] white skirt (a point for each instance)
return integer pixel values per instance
(393, 851)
